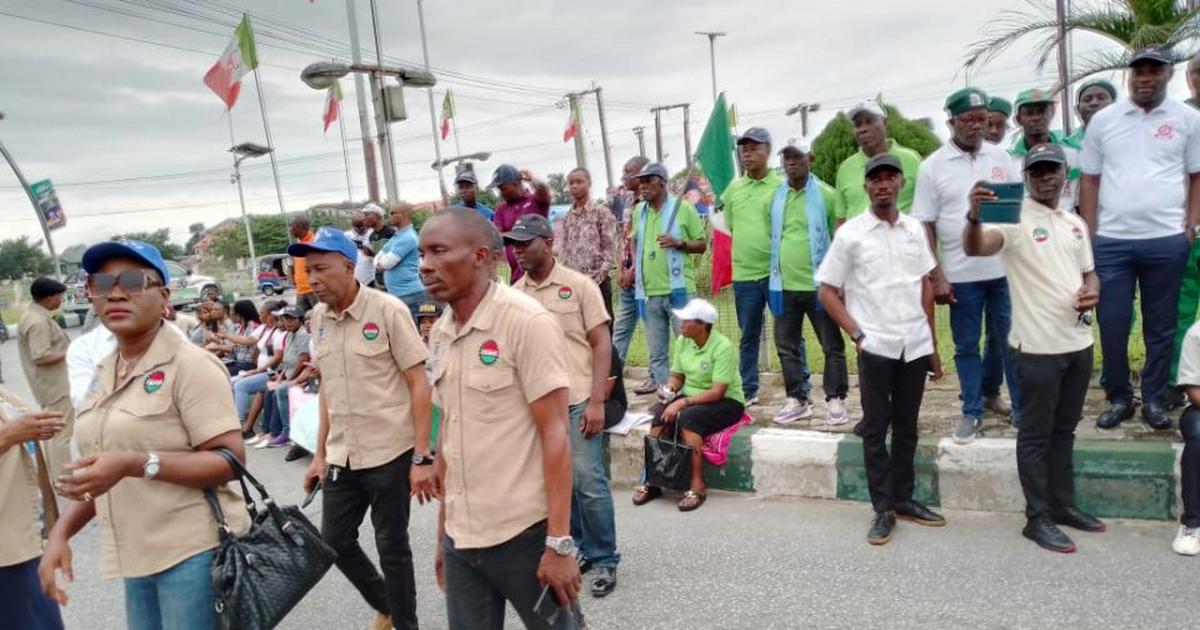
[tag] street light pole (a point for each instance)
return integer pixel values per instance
(382, 126)
(640, 132)
(360, 99)
(573, 107)
(712, 56)
(437, 143)
(237, 177)
(37, 210)
(804, 109)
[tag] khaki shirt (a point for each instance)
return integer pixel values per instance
(41, 336)
(362, 353)
(174, 398)
(486, 374)
(20, 499)
(577, 304)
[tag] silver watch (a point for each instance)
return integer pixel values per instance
(561, 545)
(150, 468)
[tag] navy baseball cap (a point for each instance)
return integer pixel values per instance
(141, 251)
(505, 173)
(1153, 53)
(755, 134)
(1045, 153)
(653, 169)
(467, 176)
(529, 227)
(327, 240)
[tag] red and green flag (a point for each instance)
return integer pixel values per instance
(572, 122)
(447, 113)
(224, 78)
(333, 104)
(714, 154)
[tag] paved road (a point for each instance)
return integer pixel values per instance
(743, 562)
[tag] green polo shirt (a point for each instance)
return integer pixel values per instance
(748, 217)
(849, 187)
(655, 274)
(1075, 140)
(795, 255)
(1019, 149)
(716, 362)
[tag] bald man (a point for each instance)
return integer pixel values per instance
(622, 201)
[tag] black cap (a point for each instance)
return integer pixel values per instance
(1045, 153)
(505, 173)
(883, 160)
(529, 227)
(429, 308)
(43, 288)
(1154, 53)
(466, 176)
(755, 134)
(290, 311)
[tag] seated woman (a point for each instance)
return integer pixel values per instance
(276, 410)
(239, 339)
(705, 367)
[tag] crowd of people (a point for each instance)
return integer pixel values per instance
(437, 380)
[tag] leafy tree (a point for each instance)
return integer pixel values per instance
(836, 141)
(20, 258)
(160, 238)
(196, 232)
(558, 188)
(271, 233)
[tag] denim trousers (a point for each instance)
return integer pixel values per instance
(414, 301)
(749, 301)
(180, 598)
(979, 303)
(480, 581)
(626, 320)
(244, 389)
(276, 411)
(593, 520)
(25, 605)
(793, 358)
(1189, 467)
(661, 326)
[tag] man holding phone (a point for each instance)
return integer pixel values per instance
(1048, 257)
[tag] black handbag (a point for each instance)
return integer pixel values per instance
(668, 462)
(261, 575)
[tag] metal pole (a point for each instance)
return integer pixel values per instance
(658, 153)
(37, 210)
(641, 138)
(345, 157)
(437, 143)
(712, 62)
(608, 166)
(804, 121)
(687, 136)
(580, 153)
(262, 105)
(237, 178)
(381, 123)
(364, 120)
(1063, 77)
(454, 124)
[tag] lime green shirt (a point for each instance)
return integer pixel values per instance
(748, 216)
(655, 274)
(716, 362)
(849, 187)
(1075, 140)
(795, 255)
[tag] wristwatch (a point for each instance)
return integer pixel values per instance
(972, 220)
(150, 468)
(1193, 228)
(857, 335)
(421, 459)
(561, 545)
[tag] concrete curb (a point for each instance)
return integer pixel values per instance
(1112, 479)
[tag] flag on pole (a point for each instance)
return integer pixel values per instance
(447, 113)
(714, 154)
(333, 104)
(225, 76)
(572, 122)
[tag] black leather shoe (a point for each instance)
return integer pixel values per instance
(881, 528)
(1072, 517)
(1048, 536)
(919, 514)
(294, 453)
(1156, 417)
(1114, 415)
(1174, 398)
(604, 582)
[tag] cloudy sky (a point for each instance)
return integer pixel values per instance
(105, 97)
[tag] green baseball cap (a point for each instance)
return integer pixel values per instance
(1108, 87)
(965, 100)
(1000, 105)
(1033, 96)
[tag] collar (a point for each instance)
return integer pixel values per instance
(555, 277)
(891, 144)
(1033, 205)
(483, 318)
(1131, 107)
(41, 310)
(876, 222)
(356, 308)
(766, 179)
(162, 350)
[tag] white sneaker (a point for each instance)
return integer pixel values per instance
(265, 443)
(258, 439)
(1187, 541)
(792, 411)
(837, 413)
(751, 401)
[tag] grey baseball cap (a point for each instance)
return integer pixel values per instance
(1045, 153)
(653, 169)
(755, 134)
(467, 176)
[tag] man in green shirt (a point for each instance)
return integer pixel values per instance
(998, 110)
(747, 203)
(1035, 112)
(870, 130)
(1090, 98)
(666, 231)
(1189, 289)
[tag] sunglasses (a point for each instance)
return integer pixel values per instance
(131, 281)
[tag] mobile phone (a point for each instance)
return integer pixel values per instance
(1007, 206)
(311, 495)
(547, 607)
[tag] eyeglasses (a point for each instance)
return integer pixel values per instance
(131, 281)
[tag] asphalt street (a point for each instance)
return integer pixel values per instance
(744, 562)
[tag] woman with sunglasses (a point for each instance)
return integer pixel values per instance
(154, 411)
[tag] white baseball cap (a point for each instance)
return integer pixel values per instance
(699, 310)
(373, 209)
(868, 106)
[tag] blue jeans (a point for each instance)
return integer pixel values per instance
(661, 325)
(414, 301)
(978, 302)
(244, 389)
(626, 318)
(1156, 267)
(275, 410)
(180, 598)
(593, 522)
(24, 604)
(750, 300)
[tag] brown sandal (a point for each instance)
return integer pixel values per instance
(691, 500)
(645, 494)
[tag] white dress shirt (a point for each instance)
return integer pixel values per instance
(83, 355)
(364, 265)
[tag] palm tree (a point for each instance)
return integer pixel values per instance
(1131, 24)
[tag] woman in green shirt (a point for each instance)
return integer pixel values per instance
(706, 394)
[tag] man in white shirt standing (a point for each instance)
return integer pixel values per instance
(360, 232)
(975, 288)
(880, 261)
(1140, 196)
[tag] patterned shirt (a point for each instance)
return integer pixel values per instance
(585, 240)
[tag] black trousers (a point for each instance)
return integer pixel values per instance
(606, 293)
(892, 390)
(789, 342)
(1189, 466)
(346, 496)
(1053, 388)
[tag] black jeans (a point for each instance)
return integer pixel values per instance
(1053, 388)
(789, 342)
(346, 495)
(480, 581)
(1189, 466)
(606, 293)
(892, 390)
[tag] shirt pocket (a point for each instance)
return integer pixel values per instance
(489, 400)
(912, 258)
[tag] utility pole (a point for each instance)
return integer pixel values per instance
(364, 120)
(658, 153)
(573, 98)
(37, 210)
(640, 132)
(1063, 77)
(573, 107)
(712, 56)
(804, 109)
(437, 142)
(687, 136)
(608, 165)
(687, 139)
(382, 126)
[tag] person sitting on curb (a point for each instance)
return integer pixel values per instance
(1187, 541)
(705, 369)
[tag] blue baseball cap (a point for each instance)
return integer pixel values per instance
(653, 169)
(327, 240)
(505, 173)
(141, 251)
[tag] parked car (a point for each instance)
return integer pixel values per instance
(187, 289)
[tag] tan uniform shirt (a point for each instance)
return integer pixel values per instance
(41, 336)
(20, 500)
(577, 304)
(173, 399)
(362, 353)
(486, 374)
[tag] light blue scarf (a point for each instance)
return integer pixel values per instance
(818, 235)
(674, 257)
